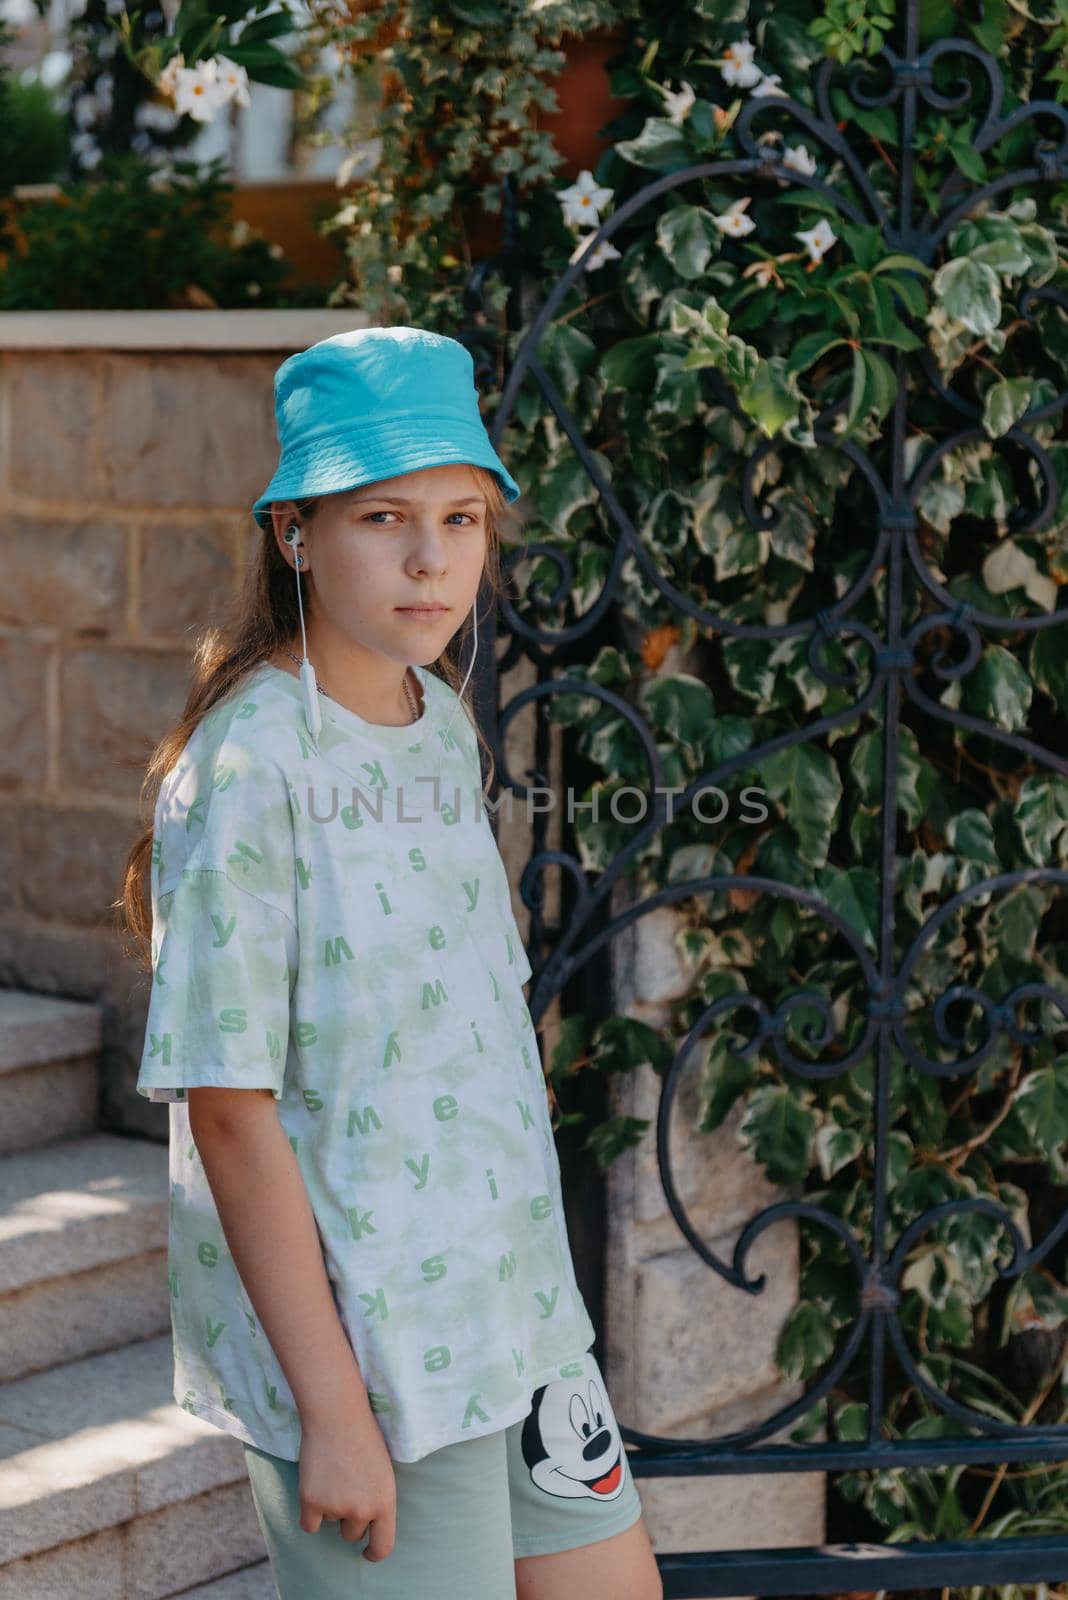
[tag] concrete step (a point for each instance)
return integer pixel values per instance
(83, 1250)
(49, 1053)
(251, 1583)
(110, 1491)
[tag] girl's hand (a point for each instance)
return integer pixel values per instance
(346, 1476)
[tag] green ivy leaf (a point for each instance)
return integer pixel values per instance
(874, 387)
(660, 146)
(998, 689)
(1041, 1102)
(631, 363)
(1041, 813)
(611, 1137)
(724, 1078)
(770, 396)
(854, 894)
(969, 291)
(623, 1043)
(1048, 663)
(778, 1129)
(687, 235)
(680, 707)
(1004, 404)
(805, 1342)
(836, 1147)
(805, 781)
(568, 355)
(571, 1044)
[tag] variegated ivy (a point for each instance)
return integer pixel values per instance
(719, 325)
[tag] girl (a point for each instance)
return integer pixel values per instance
(371, 1283)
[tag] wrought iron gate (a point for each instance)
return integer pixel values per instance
(569, 949)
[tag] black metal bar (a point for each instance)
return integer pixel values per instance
(831, 1568)
(882, 673)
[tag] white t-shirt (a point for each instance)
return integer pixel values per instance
(329, 927)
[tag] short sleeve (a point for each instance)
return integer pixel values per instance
(224, 965)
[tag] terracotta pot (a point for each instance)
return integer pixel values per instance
(586, 101)
(287, 213)
(586, 104)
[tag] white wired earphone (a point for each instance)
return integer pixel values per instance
(312, 714)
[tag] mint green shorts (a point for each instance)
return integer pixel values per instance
(555, 1479)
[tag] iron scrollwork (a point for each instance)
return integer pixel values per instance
(882, 669)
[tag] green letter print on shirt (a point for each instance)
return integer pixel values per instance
(409, 1089)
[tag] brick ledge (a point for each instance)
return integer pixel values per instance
(174, 330)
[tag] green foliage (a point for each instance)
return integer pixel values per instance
(244, 34)
(729, 365)
(35, 135)
(123, 240)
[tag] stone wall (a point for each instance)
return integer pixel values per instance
(691, 1355)
(131, 448)
(686, 1354)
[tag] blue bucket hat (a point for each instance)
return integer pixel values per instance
(371, 404)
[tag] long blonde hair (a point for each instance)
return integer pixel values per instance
(263, 617)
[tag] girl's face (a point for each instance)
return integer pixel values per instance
(372, 553)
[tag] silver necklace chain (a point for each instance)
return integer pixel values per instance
(407, 688)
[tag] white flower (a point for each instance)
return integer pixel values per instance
(605, 251)
(167, 81)
(817, 240)
(55, 66)
(801, 159)
(769, 84)
(583, 201)
(733, 220)
(677, 105)
(359, 162)
(86, 149)
(86, 110)
(196, 91)
(232, 81)
(737, 66)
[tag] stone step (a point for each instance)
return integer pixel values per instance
(49, 1055)
(83, 1250)
(110, 1491)
(251, 1583)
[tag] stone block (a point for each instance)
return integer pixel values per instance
(45, 1104)
(190, 1541)
(72, 862)
(185, 576)
(9, 857)
(744, 1512)
(91, 1568)
(250, 1583)
(70, 575)
(699, 1341)
(24, 711)
(659, 971)
(716, 1179)
(186, 430)
(67, 962)
(63, 1319)
(114, 707)
(53, 397)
